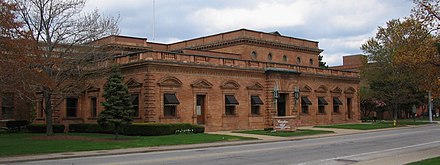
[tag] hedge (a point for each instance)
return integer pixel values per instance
(16, 125)
(141, 129)
(89, 128)
(41, 128)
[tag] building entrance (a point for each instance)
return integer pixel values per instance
(200, 109)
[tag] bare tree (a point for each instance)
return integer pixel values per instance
(64, 55)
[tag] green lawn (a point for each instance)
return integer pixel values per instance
(378, 125)
(432, 161)
(299, 132)
(26, 143)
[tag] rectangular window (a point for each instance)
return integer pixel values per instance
(230, 103)
(321, 104)
(71, 106)
(256, 102)
(7, 105)
(170, 105)
(134, 98)
(305, 102)
(133, 57)
(336, 104)
(41, 108)
(93, 106)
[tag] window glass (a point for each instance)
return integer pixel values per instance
(93, 106)
(269, 57)
(284, 58)
(134, 98)
(71, 106)
(254, 55)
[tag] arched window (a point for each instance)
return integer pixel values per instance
(284, 58)
(269, 57)
(298, 60)
(254, 55)
(311, 61)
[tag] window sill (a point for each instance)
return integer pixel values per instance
(72, 118)
(92, 118)
(321, 113)
(255, 115)
(229, 116)
(169, 117)
(336, 113)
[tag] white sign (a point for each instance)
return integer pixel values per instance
(282, 124)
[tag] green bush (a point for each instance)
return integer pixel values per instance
(368, 118)
(16, 125)
(41, 128)
(141, 129)
(89, 128)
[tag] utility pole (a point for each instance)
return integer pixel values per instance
(430, 106)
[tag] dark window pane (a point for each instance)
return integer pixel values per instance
(321, 109)
(230, 110)
(255, 110)
(305, 109)
(170, 111)
(7, 105)
(135, 103)
(71, 106)
(93, 106)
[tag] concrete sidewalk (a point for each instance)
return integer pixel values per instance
(262, 139)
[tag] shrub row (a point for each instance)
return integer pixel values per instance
(16, 125)
(140, 129)
(41, 128)
(89, 128)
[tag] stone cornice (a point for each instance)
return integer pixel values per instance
(249, 40)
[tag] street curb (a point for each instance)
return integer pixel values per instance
(65, 155)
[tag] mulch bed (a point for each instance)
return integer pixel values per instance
(83, 138)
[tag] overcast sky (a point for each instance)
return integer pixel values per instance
(340, 26)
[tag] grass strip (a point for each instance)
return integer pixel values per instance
(28, 144)
(432, 161)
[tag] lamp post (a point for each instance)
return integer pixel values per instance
(296, 98)
(430, 106)
(275, 96)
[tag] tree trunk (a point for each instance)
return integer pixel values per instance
(48, 112)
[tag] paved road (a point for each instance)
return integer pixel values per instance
(345, 149)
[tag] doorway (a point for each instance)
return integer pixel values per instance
(281, 104)
(200, 109)
(349, 108)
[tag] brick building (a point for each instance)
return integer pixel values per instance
(224, 81)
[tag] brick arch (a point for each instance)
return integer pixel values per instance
(230, 84)
(336, 90)
(321, 89)
(133, 82)
(350, 90)
(255, 86)
(169, 81)
(305, 88)
(201, 83)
